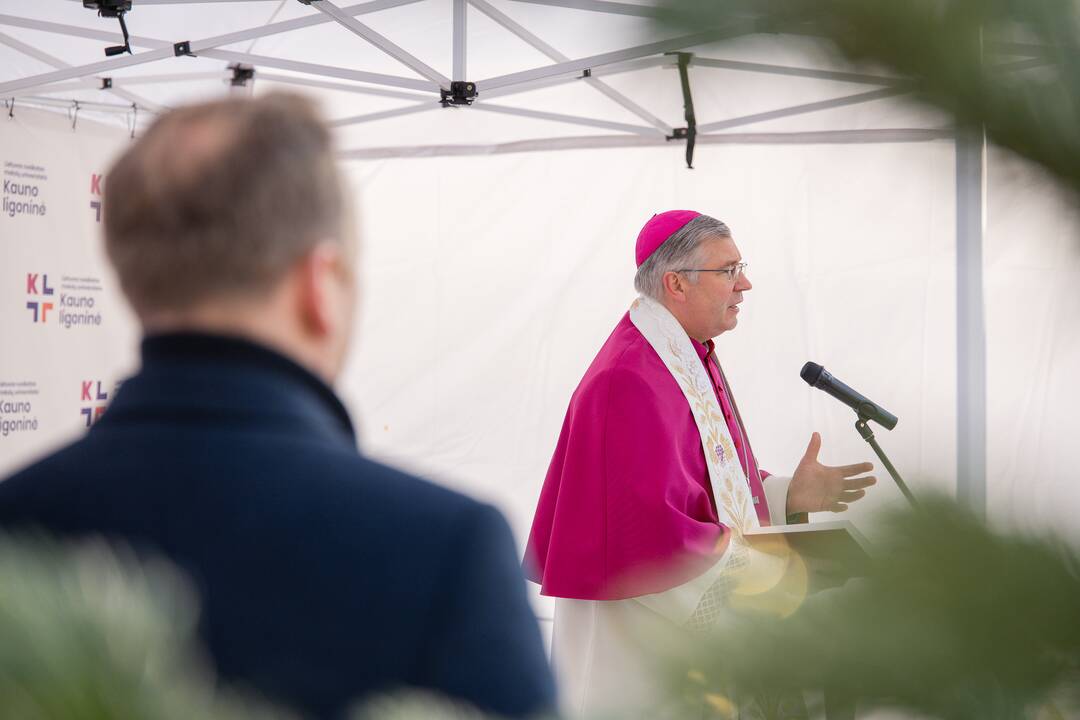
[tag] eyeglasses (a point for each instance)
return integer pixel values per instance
(732, 271)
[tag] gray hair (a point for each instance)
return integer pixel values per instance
(679, 251)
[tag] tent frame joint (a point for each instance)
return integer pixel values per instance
(241, 74)
(461, 92)
(689, 133)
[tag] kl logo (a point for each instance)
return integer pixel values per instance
(95, 189)
(37, 287)
(92, 393)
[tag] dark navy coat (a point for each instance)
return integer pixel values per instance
(324, 576)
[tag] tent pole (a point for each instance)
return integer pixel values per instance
(863, 97)
(329, 71)
(831, 137)
(87, 82)
(599, 85)
(769, 69)
(386, 114)
(572, 119)
(601, 6)
(460, 36)
(205, 47)
(970, 320)
(275, 28)
(734, 29)
(79, 71)
(603, 71)
(418, 66)
(343, 87)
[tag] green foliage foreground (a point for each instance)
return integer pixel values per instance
(953, 621)
(87, 634)
(1012, 66)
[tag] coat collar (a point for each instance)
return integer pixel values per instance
(221, 378)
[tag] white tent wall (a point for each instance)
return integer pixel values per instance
(491, 282)
(1032, 261)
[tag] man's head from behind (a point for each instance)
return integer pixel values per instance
(230, 217)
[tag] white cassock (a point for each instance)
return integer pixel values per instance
(602, 651)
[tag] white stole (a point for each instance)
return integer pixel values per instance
(734, 504)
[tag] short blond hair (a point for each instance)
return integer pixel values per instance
(220, 199)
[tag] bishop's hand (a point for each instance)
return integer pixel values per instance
(815, 487)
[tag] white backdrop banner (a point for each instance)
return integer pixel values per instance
(67, 337)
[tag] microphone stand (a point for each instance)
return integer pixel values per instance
(840, 705)
(868, 436)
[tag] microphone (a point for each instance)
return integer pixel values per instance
(817, 376)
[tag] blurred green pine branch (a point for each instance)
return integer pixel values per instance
(1012, 66)
(90, 634)
(954, 621)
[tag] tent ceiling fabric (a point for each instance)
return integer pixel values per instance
(377, 68)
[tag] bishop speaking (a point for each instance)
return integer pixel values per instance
(653, 483)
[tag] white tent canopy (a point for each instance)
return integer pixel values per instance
(493, 268)
(572, 73)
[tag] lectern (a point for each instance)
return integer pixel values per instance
(833, 552)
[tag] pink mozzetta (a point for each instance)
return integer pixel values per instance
(626, 508)
(659, 228)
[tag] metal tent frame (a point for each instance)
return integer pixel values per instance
(430, 84)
